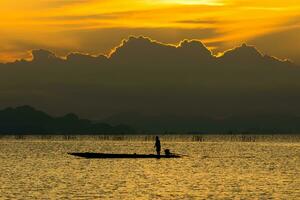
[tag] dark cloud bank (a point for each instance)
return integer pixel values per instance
(153, 86)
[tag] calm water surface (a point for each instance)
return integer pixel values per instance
(216, 168)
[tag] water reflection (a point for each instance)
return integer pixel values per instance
(40, 168)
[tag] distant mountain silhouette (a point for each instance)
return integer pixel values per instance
(154, 79)
(27, 120)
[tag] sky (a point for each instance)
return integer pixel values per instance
(96, 26)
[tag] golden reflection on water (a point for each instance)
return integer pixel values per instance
(216, 169)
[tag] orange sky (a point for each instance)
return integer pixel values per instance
(96, 26)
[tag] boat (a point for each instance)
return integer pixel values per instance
(108, 155)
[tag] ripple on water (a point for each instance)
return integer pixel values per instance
(32, 169)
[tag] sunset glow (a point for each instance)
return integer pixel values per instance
(74, 25)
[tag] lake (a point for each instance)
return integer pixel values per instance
(215, 167)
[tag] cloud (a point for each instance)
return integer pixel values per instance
(152, 78)
(82, 17)
(44, 5)
(281, 42)
(59, 3)
(91, 25)
(197, 21)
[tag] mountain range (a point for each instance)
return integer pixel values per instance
(28, 120)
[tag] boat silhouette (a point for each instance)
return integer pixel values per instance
(90, 155)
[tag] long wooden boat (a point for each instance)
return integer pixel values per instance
(105, 155)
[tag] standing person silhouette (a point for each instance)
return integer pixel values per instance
(157, 145)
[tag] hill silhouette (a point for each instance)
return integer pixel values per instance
(27, 120)
(144, 76)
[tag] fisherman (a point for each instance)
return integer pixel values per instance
(157, 145)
